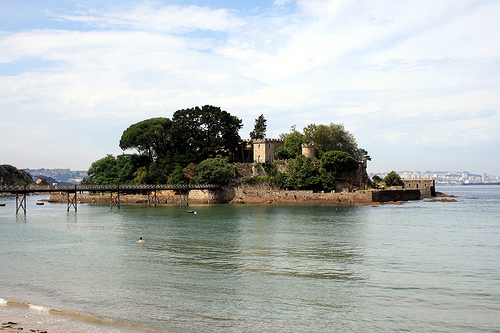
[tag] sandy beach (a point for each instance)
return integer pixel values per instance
(22, 317)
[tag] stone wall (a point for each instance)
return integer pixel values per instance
(162, 198)
(266, 194)
(395, 195)
(427, 187)
(262, 193)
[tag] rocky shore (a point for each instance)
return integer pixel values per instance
(11, 326)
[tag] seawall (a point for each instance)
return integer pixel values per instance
(259, 193)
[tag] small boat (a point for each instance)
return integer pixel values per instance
(191, 212)
(40, 203)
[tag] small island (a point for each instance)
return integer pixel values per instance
(201, 145)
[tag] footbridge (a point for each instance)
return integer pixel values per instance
(22, 191)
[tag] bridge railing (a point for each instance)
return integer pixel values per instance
(103, 188)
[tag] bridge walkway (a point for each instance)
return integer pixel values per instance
(22, 191)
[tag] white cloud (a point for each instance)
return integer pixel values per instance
(153, 16)
(418, 73)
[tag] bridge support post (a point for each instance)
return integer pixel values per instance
(155, 200)
(183, 197)
(118, 195)
(72, 200)
(115, 200)
(212, 196)
(21, 202)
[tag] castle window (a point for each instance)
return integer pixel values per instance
(258, 159)
(259, 146)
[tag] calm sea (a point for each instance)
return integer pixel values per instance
(419, 267)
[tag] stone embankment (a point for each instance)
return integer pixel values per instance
(250, 194)
(162, 198)
(266, 194)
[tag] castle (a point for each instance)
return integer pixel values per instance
(264, 150)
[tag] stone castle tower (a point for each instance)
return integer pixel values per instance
(264, 150)
(308, 150)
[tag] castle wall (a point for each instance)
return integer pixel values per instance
(427, 187)
(395, 195)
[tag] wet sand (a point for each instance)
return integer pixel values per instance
(23, 317)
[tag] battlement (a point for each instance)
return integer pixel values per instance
(266, 140)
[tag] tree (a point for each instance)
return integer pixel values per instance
(301, 174)
(214, 171)
(333, 137)
(338, 162)
(152, 137)
(393, 179)
(121, 169)
(259, 130)
(292, 146)
(103, 171)
(332, 164)
(177, 177)
(208, 131)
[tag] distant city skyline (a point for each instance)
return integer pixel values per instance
(452, 177)
(448, 177)
(415, 82)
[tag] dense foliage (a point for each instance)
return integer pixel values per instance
(169, 150)
(259, 130)
(214, 171)
(293, 144)
(198, 144)
(206, 132)
(393, 179)
(10, 175)
(333, 137)
(153, 138)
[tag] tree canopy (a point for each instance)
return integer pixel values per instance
(393, 179)
(208, 131)
(197, 145)
(214, 171)
(333, 137)
(152, 137)
(292, 146)
(165, 147)
(259, 130)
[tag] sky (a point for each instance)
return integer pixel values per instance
(416, 82)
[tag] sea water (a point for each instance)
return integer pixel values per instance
(419, 266)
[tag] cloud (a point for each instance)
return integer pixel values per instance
(153, 16)
(397, 73)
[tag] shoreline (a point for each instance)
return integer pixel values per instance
(25, 317)
(247, 195)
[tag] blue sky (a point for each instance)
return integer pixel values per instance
(416, 82)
